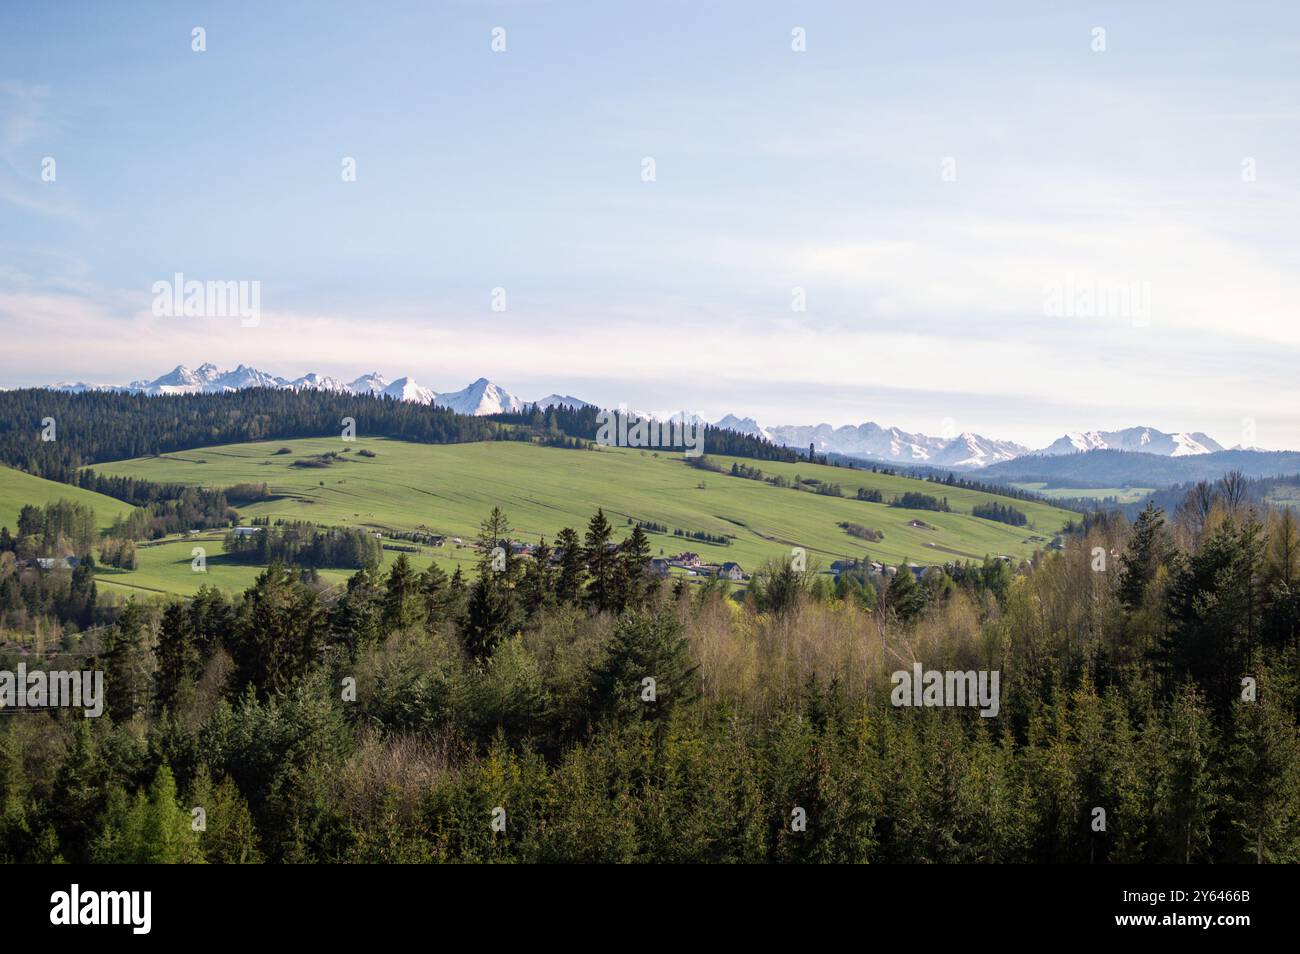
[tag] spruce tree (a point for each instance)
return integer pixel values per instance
(404, 606)
(1148, 548)
(602, 564)
(644, 647)
(178, 660)
(1263, 776)
(128, 663)
(573, 571)
(634, 569)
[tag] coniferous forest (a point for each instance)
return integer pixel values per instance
(574, 706)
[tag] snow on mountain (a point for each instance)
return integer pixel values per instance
(741, 425)
(966, 451)
(864, 440)
(1143, 440)
(179, 380)
(406, 389)
(372, 383)
(318, 382)
(481, 397)
(242, 377)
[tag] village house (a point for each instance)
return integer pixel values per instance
(56, 563)
(731, 571)
(246, 531)
(687, 559)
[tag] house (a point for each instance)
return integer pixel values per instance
(687, 560)
(659, 566)
(246, 531)
(57, 563)
(731, 571)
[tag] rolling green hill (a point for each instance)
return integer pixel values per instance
(450, 488)
(18, 488)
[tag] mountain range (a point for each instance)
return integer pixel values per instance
(481, 397)
(867, 441)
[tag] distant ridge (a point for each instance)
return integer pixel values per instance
(868, 441)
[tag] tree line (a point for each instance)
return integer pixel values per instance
(572, 706)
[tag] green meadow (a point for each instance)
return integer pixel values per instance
(167, 566)
(18, 488)
(449, 488)
(1124, 495)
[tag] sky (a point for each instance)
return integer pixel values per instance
(1016, 219)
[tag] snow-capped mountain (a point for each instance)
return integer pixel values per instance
(242, 377)
(481, 397)
(372, 383)
(1143, 440)
(406, 389)
(741, 425)
(966, 451)
(317, 382)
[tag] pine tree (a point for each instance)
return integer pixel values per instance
(538, 586)
(229, 836)
(438, 598)
(280, 630)
(1263, 774)
(1213, 608)
(357, 618)
(403, 603)
(602, 564)
(1148, 549)
(127, 663)
(634, 570)
(152, 828)
(573, 571)
(903, 595)
(178, 660)
(1191, 801)
(644, 647)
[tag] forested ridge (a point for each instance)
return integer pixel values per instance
(416, 717)
(96, 426)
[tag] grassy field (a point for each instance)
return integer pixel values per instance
(1124, 495)
(166, 566)
(450, 488)
(17, 489)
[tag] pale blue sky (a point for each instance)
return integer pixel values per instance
(775, 169)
